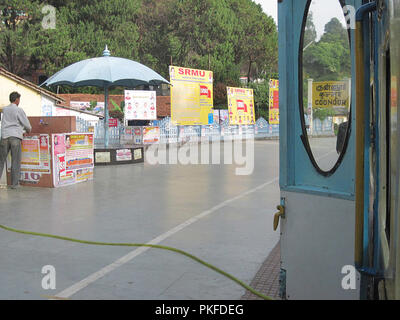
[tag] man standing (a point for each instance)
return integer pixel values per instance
(13, 123)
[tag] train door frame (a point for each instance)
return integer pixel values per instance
(317, 233)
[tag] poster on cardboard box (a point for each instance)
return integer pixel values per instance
(35, 154)
(72, 158)
(58, 153)
(84, 175)
(30, 155)
(45, 153)
(79, 151)
(68, 177)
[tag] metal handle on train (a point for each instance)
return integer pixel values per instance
(279, 215)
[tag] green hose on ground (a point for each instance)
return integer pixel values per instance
(241, 283)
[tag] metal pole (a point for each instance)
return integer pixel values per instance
(361, 109)
(106, 119)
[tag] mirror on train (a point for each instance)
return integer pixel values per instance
(326, 82)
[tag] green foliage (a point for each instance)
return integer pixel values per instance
(93, 105)
(17, 34)
(117, 114)
(257, 37)
(261, 98)
(325, 60)
(225, 36)
(329, 58)
(115, 105)
(323, 113)
(310, 33)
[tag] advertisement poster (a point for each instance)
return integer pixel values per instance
(220, 116)
(137, 154)
(241, 106)
(103, 157)
(112, 123)
(124, 155)
(140, 105)
(151, 135)
(44, 153)
(67, 178)
(73, 159)
(273, 101)
(137, 133)
(59, 165)
(35, 155)
(79, 151)
(85, 106)
(191, 96)
(331, 94)
(84, 174)
(30, 156)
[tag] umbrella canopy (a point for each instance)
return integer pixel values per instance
(105, 72)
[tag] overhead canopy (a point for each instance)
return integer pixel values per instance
(106, 72)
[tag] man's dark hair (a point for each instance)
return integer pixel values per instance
(14, 96)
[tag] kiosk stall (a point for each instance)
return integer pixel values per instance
(53, 155)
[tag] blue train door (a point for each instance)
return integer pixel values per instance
(317, 148)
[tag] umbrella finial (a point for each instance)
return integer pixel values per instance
(106, 52)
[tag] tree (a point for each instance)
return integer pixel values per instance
(219, 35)
(19, 23)
(329, 58)
(310, 33)
(257, 39)
(261, 98)
(83, 30)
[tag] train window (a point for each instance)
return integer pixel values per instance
(325, 83)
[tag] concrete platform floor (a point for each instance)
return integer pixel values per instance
(206, 210)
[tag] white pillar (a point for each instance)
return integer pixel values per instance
(348, 110)
(310, 105)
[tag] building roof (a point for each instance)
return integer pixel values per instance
(31, 85)
(80, 111)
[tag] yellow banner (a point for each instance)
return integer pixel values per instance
(330, 94)
(191, 96)
(273, 101)
(241, 106)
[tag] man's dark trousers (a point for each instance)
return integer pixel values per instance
(13, 144)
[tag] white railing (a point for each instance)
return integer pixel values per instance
(170, 133)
